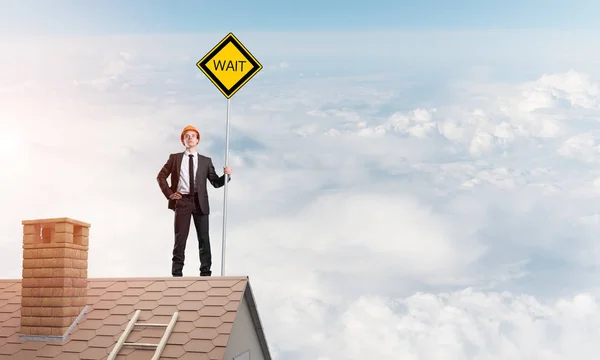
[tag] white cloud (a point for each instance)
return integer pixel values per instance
(282, 65)
(508, 120)
(366, 233)
(363, 203)
(552, 90)
(580, 147)
(465, 325)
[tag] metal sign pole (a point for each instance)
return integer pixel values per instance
(225, 189)
(229, 65)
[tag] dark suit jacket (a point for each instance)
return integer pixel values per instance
(206, 171)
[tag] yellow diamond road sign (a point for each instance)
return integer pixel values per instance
(229, 65)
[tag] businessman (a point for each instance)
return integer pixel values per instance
(188, 197)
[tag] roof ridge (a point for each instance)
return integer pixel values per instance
(169, 278)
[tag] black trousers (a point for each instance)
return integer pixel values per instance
(187, 208)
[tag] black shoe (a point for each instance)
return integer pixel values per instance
(177, 275)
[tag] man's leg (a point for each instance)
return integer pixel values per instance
(201, 224)
(183, 213)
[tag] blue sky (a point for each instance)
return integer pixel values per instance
(138, 16)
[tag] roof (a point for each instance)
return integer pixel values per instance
(207, 308)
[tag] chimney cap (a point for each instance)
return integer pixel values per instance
(55, 220)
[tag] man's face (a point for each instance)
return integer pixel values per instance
(190, 138)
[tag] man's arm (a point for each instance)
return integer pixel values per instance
(216, 180)
(162, 176)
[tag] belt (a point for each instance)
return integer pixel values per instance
(188, 195)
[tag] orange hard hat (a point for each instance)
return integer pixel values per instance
(189, 128)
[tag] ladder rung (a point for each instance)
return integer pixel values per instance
(124, 335)
(163, 341)
(132, 323)
(141, 344)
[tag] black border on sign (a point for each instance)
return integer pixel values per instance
(229, 39)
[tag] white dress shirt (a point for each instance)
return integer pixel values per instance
(184, 178)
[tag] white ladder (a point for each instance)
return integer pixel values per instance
(133, 322)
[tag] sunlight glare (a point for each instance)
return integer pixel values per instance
(10, 143)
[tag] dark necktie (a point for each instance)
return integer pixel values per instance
(191, 167)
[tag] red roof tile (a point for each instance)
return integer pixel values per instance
(207, 309)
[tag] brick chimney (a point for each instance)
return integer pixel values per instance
(55, 263)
